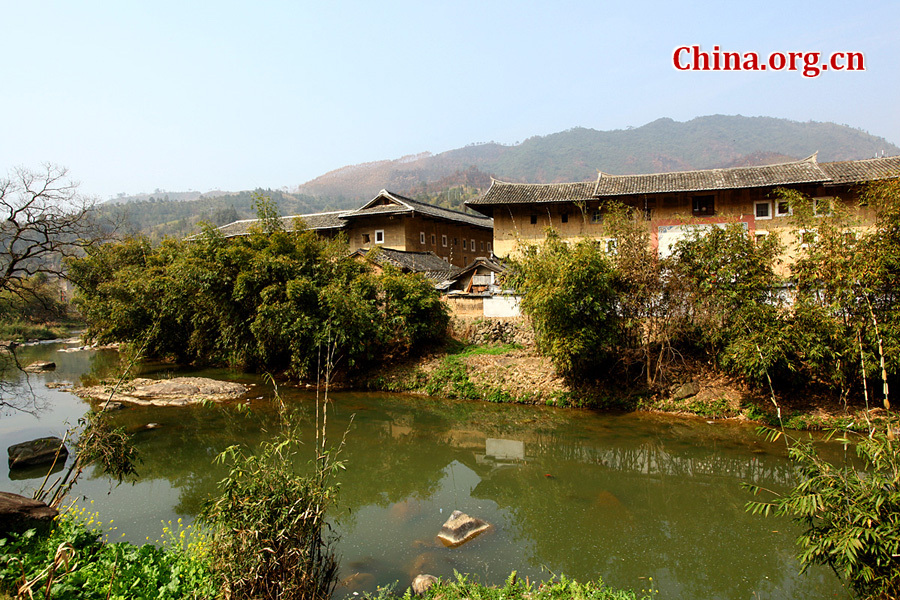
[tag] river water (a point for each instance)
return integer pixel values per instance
(588, 495)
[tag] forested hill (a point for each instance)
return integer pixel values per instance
(450, 178)
(577, 154)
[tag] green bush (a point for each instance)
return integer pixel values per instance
(262, 302)
(850, 516)
(73, 562)
(465, 588)
(267, 526)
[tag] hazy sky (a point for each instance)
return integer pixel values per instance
(133, 96)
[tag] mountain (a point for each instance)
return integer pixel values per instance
(577, 154)
(450, 178)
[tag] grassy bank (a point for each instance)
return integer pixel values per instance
(516, 374)
(23, 331)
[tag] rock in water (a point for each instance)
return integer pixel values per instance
(36, 452)
(178, 391)
(40, 366)
(460, 528)
(18, 513)
(422, 582)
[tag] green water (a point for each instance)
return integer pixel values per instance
(622, 497)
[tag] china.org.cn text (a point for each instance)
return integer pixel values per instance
(811, 64)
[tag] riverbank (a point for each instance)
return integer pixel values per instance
(496, 368)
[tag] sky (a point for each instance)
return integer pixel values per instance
(133, 97)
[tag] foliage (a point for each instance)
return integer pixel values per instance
(516, 589)
(268, 523)
(569, 294)
(73, 561)
(261, 302)
(850, 516)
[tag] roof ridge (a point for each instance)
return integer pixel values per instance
(811, 159)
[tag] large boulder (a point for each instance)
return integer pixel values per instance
(461, 528)
(36, 452)
(178, 391)
(18, 513)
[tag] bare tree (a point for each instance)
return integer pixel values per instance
(44, 220)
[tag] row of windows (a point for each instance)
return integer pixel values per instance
(704, 206)
(444, 241)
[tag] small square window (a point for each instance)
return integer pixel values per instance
(564, 217)
(782, 208)
(534, 219)
(759, 235)
(822, 207)
(421, 237)
(762, 210)
(596, 217)
(704, 206)
(444, 241)
(379, 236)
(807, 237)
(365, 238)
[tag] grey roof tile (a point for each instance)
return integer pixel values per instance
(402, 204)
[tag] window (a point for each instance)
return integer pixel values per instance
(822, 207)
(456, 241)
(465, 244)
(489, 246)
(482, 246)
(782, 208)
(596, 217)
(759, 235)
(365, 238)
(379, 236)
(421, 237)
(465, 260)
(612, 246)
(472, 246)
(534, 219)
(444, 241)
(704, 206)
(434, 239)
(564, 217)
(807, 237)
(762, 210)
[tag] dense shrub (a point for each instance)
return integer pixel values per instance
(850, 516)
(266, 301)
(73, 562)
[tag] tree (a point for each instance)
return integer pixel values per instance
(43, 220)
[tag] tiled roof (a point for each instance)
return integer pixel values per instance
(317, 221)
(401, 204)
(802, 171)
(428, 263)
(858, 171)
(501, 192)
(791, 173)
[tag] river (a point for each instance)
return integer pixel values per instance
(588, 495)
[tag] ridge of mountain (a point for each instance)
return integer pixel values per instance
(578, 154)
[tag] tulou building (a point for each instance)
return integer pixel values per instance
(676, 203)
(412, 233)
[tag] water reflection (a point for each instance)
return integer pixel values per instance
(621, 497)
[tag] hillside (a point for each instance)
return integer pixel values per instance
(450, 178)
(577, 154)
